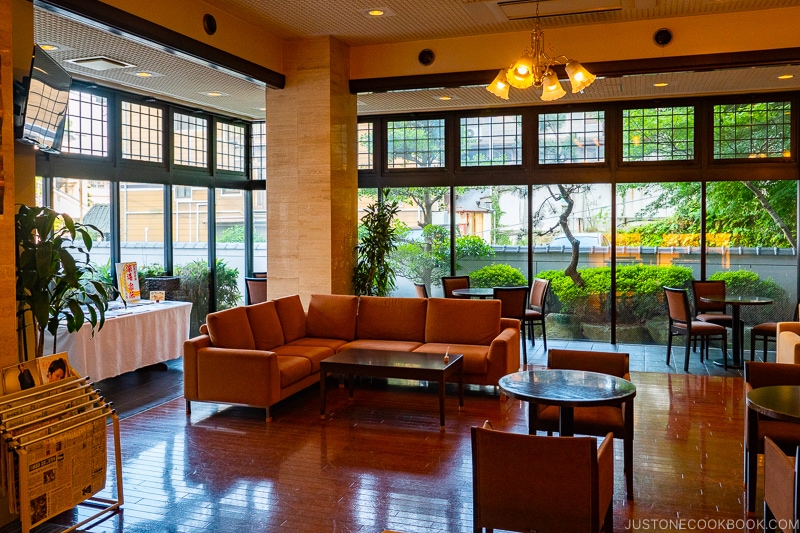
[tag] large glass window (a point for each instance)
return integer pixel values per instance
(230, 147)
(658, 134)
(258, 151)
(365, 140)
(577, 137)
(259, 231)
(229, 235)
(88, 202)
(142, 225)
(415, 144)
(491, 140)
(759, 130)
(190, 140)
(142, 132)
(86, 130)
(190, 249)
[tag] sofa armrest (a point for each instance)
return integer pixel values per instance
(504, 353)
(794, 327)
(190, 349)
(247, 377)
(787, 348)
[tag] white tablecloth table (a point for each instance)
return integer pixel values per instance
(138, 336)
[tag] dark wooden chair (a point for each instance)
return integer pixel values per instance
(681, 323)
(422, 290)
(514, 301)
(781, 488)
(765, 332)
(255, 290)
(712, 312)
(597, 421)
(785, 434)
(451, 283)
(535, 314)
(535, 483)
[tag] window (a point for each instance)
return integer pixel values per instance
(365, 139)
(415, 144)
(86, 132)
(572, 137)
(230, 147)
(190, 140)
(141, 221)
(491, 140)
(142, 132)
(658, 134)
(258, 151)
(755, 130)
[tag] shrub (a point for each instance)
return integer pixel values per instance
(194, 286)
(500, 275)
(639, 291)
(747, 283)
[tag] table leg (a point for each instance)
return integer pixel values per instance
(531, 418)
(322, 375)
(566, 421)
(441, 402)
(751, 459)
(461, 388)
(737, 336)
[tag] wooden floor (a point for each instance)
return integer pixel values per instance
(380, 462)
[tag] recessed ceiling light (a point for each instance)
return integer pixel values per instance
(377, 12)
(660, 84)
(445, 98)
(214, 93)
(786, 77)
(48, 47)
(145, 74)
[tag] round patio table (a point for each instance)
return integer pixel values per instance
(736, 303)
(474, 292)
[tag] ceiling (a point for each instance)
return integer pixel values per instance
(181, 80)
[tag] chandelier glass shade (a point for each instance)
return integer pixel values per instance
(535, 69)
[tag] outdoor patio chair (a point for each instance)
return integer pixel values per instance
(422, 290)
(681, 323)
(255, 290)
(711, 312)
(766, 332)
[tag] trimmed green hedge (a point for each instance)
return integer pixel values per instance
(639, 291)
(499, 275)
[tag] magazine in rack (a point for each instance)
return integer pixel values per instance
(54, 424)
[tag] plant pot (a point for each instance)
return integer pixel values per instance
(562, 326)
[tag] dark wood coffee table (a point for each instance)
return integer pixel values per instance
(394, 364)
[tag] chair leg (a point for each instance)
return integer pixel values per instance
(753, 345)
(686, 358)
(524, 343)
(725, 350)
(769, 519)
(669, 346)
(608, 521)
(544, 336)
(627, 444)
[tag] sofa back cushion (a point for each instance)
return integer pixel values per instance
(457, 321)
(265, 325)
(292, 317)
(332, 316)
(230, 329)
(391, 319)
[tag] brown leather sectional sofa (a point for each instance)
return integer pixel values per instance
(257, 355)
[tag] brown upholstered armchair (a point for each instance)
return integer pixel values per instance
(784, 434)
(535, 483)
(594, 420)
(781, 484)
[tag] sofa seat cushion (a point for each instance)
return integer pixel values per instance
(476, 357)
(265, 325)
(315, 354)
(591, 420)
(333, 344)
(230, 329)
(293, 369)
(453, 320)
(332, 316)
(292, 317)
(395, 319)
(372, 344)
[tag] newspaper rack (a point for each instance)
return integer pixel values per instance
(56, 456)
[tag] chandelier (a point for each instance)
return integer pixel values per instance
(535, 68)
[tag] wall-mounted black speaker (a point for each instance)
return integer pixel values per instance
(209, 24)
(426, 57)
(662, 37)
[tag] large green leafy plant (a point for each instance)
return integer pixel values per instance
(373, 274)
(55, 280)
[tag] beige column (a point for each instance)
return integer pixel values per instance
(312, 176)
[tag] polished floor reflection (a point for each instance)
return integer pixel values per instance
(380, 462)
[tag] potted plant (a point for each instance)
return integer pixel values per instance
(55, 281)
(373, 274)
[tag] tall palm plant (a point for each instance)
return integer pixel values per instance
(373, 274)
(55, 281)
